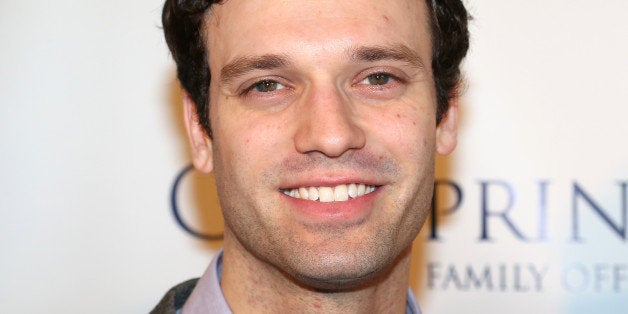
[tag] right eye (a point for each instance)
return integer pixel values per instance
(266, 86)
(377, 79)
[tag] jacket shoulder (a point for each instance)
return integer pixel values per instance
(175, 298)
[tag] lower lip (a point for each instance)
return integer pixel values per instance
(351, 211)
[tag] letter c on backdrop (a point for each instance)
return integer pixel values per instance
(176, 212)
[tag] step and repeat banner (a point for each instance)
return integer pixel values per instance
(100, 212)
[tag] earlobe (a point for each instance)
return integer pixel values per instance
(447, 130)
(200, 143)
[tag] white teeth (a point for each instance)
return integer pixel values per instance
(361, 189)
(339, 193)
(312, 193)
(303, 193)
(352, 190)
(326, 194)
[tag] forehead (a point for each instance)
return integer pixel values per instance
(313, 29)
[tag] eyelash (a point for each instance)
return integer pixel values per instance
(253, 86)
(387, 75)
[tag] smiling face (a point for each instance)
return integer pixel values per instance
(324, 133)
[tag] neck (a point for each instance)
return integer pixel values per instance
(251, 285)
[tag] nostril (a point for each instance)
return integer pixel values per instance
(330, 138)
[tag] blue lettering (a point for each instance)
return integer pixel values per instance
(619, 276)
(435, 208)
(543, 210)
(486, 212)
(478, 280)
(575, 278)
(619, 229)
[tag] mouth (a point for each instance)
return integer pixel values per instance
(328, 194)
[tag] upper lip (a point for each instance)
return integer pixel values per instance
(318, 179)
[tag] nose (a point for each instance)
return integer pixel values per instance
(328, 124)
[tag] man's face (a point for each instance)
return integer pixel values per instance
(334, 100)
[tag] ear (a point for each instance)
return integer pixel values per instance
(200, 143)
(447, 130)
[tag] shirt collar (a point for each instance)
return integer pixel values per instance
(207, 296)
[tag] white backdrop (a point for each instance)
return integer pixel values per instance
(90, 144)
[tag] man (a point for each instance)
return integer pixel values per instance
(320, 120)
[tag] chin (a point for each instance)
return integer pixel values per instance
(343, 271)
(338, 283)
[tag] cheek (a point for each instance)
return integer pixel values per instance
(246, 141)
(408, 132)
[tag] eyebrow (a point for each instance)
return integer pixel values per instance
(243, 65)
(397, 53)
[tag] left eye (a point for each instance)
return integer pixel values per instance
(267, 86)
(377, 79)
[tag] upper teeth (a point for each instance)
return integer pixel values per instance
(337, 193)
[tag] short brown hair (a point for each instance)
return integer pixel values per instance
(183, 26)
